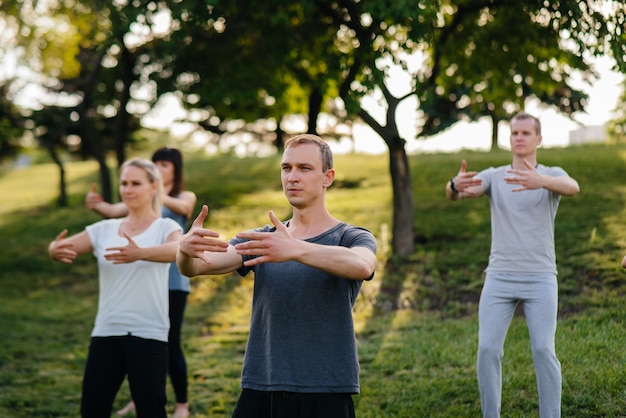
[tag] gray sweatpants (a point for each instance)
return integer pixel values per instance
(499, 297)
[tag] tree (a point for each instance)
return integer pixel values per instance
(81, 55)
(497, 91)
(254, 55)
(583, 28)
(11, 125)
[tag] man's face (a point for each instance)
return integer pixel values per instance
(524, 137)
(301, 174)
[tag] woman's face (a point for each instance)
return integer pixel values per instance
(135, 187)
(167, 171)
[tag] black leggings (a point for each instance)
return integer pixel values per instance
(177, 365)
(109, 360)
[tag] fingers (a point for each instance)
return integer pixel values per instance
(61, 235)
(130, 240)
(463, 166)
(277, 223)
(199, 221)
(61, 250)
(529, 165)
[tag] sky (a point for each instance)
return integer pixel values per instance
(603, 99)
(556, 129)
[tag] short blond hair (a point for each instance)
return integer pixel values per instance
(326, 152)
(525, 116)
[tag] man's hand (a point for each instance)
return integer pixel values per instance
(465, 180)
(199, 241)
(270, 247)
(529, 179)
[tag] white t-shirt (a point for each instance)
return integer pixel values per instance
(133, 297)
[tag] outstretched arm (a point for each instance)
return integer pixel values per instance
(95, 202)
(200, 251)
(530, 179)
(67, 249)
(182, 204)
(357, 263)
(164, 253)
(465, 184)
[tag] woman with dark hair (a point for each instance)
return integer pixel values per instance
(178, 204)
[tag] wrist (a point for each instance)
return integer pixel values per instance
(454, 190)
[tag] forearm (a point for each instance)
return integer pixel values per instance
(357, 263)
(110, 210)
(220, 263)
(164, 253)
(178, 205)
(563, 185)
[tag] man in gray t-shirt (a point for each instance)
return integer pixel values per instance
(301, 357)
(523, 198)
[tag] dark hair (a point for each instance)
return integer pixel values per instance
(175, 157)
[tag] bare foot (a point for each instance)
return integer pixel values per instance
(128, 408)
(182, 410)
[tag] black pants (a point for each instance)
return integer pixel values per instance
(177, 364)
(109, 360)
(257, 404)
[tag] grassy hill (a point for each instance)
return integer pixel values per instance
(416, 321)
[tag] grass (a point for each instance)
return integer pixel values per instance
(416, 321)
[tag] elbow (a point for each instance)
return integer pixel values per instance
(183, 265)
(574, 190)
(366, 271)
(185, 270)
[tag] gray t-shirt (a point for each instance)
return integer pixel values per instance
(522, 223)
(302, 332)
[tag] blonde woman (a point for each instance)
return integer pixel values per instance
(178, 204)
(129, 337)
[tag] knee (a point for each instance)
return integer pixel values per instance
(543, 352)
(489, 352)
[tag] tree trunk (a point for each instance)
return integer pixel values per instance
(402, 241)
(122, 118)
(315, 105)
(495, 121)
(62, 201)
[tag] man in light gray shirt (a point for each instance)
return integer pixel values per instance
(524, 197)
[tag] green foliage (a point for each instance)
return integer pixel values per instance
(417, 360)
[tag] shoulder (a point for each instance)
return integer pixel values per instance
(490, 171)
(356, 236)
(168, 224)
(105, 223)
(102, 228)
(186, 195)
(554, 171)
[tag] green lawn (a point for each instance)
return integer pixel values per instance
(417, 360)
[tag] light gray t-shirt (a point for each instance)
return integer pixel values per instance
(522, 223)
(302, 332)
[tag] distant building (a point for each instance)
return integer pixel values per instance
(588, 135)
